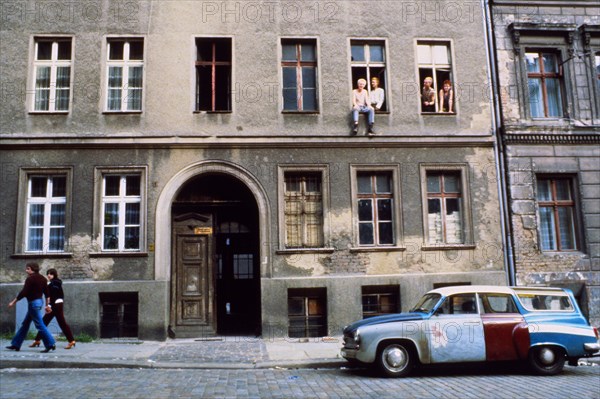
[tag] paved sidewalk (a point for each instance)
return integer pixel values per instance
(215, 353)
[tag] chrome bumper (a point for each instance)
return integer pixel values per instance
(348, 353)
(591, 347)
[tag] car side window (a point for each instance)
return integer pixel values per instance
(497, 303)
(459, 304)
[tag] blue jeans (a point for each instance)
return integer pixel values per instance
(364, 110)
(34, 313)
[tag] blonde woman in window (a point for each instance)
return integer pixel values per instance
(447, 97)
(361, 103)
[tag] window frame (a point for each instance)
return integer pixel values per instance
(367, 64)
(213, 64)
(542, 75)
(125, 64)
(379, 291)
(551, 38)
(299, 64)
(323, 170)
(98, 227)
(22, 225)
(467, 219)
(437, 86)
(555, 204)
(394, 170)
(591, 45)
(54, 64)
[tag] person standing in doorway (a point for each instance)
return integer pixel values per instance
(34, 288)
(55, 302)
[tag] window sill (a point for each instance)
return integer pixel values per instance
(212, 112)
(26, 255)
(446, 247)
(292, 251)
(378, 249)
(121, 112)
(48, 112)
(300, 112)
(118, 254)
(439, 113)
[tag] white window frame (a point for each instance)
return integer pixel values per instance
(122, 199)
(324, 171)
(22, 225)
(368, 64)
(53, 63)
(467, 220)
(394, 169)
(125, 64)
(434, 66)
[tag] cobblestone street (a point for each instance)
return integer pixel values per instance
(448, 382)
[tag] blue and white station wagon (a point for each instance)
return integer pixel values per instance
(543, 326)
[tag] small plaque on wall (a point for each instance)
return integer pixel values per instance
(203, 230)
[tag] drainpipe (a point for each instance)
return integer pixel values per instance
(499, 150)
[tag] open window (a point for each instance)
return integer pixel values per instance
(213, 74)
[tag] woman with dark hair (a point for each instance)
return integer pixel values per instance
(55, 302)
(447, 97)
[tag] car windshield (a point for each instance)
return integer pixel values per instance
(427, 303)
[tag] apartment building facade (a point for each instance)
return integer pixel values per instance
(189, 167)
(548, 69)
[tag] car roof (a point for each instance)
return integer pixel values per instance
(458, 289)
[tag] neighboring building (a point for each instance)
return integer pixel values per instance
(188, 166)
(548, 64)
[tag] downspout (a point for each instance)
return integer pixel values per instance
(499, 151)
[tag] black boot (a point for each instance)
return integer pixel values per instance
(370, 131)
(355, 129)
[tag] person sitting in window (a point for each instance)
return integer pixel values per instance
(377, 94)
(447, 97)
(428, 96)
(361, 103)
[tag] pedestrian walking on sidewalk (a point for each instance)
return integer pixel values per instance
(55, 302)
(34, 288)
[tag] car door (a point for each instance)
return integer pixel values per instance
(455, 332)
(505, 330)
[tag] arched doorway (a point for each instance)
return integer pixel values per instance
(215, 276)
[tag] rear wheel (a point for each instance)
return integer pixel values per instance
(546, 360)
(395, 360)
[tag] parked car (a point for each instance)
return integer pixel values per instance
(543, 326)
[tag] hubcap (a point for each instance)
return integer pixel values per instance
(547, 356)
(395, 357)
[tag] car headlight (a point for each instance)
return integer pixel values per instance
(356, 336)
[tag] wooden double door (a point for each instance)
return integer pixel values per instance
(215, 284)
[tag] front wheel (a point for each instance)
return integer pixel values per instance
(395, 360)
(546, 360)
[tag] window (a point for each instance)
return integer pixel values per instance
(557, 214)
(303, 200)
(125, 69)
(545, 300)
(121, 212)
(444, 207)
(46, 213)
(435, 62)
(379, 300)
(544, 79)
(307, 312)
(299, 72)
(497, 303)
(213, 74)
(52, 74)
(375, 197)
(459, 304)
(597, 57)
(368, 62)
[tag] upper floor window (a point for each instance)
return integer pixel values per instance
(52, 74)
(121, 221)
(369, 62)
(213, 74)
(299, 73)
(303, 199)
(444, 207)
(46, 213)
(125, 68)
(544, 79)
(435, 74)
(375, 196)
(557, 214)
(598, 69)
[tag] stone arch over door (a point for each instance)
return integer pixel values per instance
(162, 254)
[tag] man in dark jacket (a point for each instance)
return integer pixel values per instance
(35, 287)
